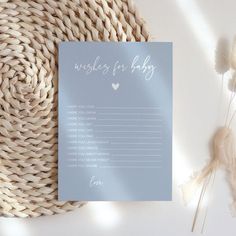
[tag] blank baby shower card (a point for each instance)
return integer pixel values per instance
(115, 121)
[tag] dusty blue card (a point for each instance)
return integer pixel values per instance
(115, 121)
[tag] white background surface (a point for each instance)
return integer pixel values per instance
(194, 27)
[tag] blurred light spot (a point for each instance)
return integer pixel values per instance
(105, 214)
(13, 227)
(200, 28)
(181, 167)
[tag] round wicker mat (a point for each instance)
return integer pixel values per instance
(29, 34)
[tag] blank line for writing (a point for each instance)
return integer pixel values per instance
(135, 143)
(128, 107)
(142, 167)
(133, 149)
(135, 158)
(129, 131)
(127, 113)
(132, 119)
(131, 137)
(90, 142)
(150, 155)
(128, 126)
(134, 161)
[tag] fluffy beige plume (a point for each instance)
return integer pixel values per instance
(233, 55)
(223, 146)
(222, 56)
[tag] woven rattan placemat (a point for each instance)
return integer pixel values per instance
(29, 34)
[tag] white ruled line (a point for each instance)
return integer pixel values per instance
(148, 155)
(131, 119)
(130, 137)
(138, 167)
(127, 113)
(129, 131)
(134, 161)
(135, 143)
(128, 107)
(132, 149)
(151, 126)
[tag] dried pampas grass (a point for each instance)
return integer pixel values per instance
(222, 60)
(223, 143)
(233, 55)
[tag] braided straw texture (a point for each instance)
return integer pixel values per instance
(29, 34)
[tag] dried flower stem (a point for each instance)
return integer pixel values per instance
(232, 118)
(230, 103)
(204, 186)
(204, 221)
(229, 106)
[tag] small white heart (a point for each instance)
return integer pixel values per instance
(115, 86)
